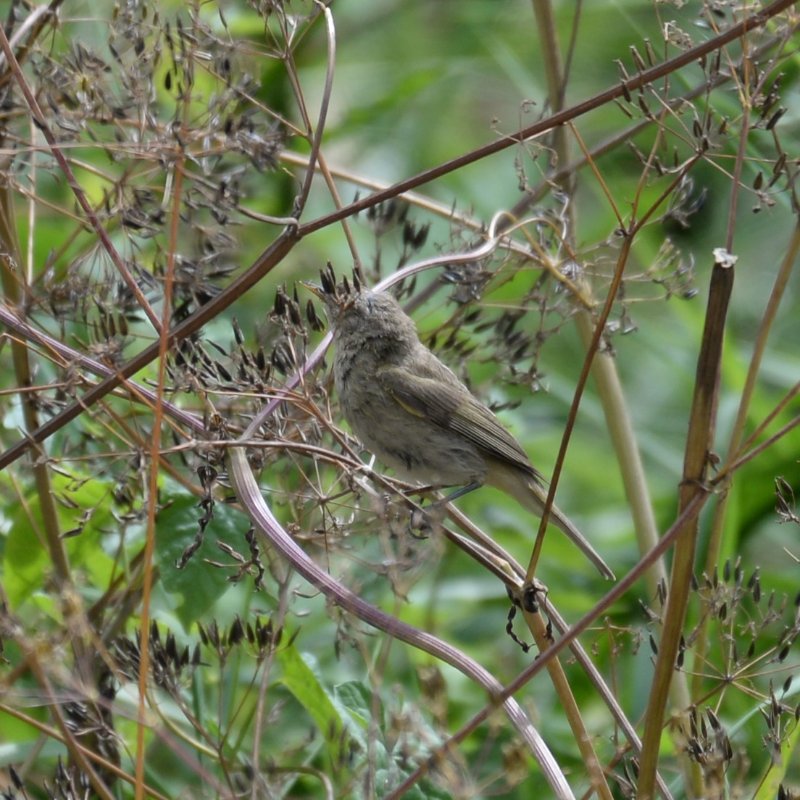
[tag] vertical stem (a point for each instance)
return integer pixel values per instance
(570, 708)
(13, 280)
(698, 445)
(11, 276)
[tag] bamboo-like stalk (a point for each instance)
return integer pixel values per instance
(737, 432)
(698, 447)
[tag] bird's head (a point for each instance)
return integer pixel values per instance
(353, 309)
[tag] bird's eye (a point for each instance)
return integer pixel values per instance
(369, 304)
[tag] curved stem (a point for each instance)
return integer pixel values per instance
(275, 537)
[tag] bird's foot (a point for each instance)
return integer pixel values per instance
(424, 521)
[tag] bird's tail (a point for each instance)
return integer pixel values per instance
(532, 496)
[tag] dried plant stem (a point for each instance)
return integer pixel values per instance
(625, 135)
(552, 62)
(570, 708)
(689, 513)
(11, 276)
(602, 366)
(314, 133)
(493, 558)
(68, 355)
(623, 439)
(249, 494)
(31, 27)
(637, 492)
(583, 658)
(265, 262)
(643, 78)
(155, 444)
(698, 446)
(55, 735)
(749, 455)
(621, 431)
(737, 433)
(81, 756)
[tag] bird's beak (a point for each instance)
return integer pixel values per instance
(334, 304)
(314, 289)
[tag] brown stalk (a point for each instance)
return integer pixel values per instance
(734, 450)
(699, 444)
(570, 707)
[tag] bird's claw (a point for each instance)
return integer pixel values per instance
(424, 521)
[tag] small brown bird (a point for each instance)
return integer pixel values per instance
(416, 416)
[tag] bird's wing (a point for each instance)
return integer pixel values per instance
(449, 405)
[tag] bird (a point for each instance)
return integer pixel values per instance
(416, 416)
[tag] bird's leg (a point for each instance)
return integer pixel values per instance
(470, 487)
(426, 519)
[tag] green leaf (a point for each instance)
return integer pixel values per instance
(777, 771)
(199, 583)
(86, 509)
(358, 700)
(302, 681)
(25, 560)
